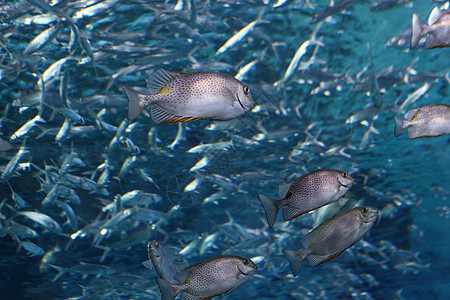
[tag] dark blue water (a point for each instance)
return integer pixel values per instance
(296, 127)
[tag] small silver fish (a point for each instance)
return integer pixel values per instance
(426, 121)
(209, 278)
(333, 237)
(161, 262)
(306, 193)
(188, 96)
(437, 30)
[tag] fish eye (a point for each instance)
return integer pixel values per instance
(365, 210)
(246, 261)
(344, 174)
(246, 90)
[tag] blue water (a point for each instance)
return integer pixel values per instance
(403, 257)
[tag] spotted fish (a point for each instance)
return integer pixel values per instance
(306, 193)
(333, 237)
(188, 96)
(209, 278)
(437, 30)
(426, 121)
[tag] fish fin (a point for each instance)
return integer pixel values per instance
(186, 296)
(283, 189)
(306, 240)
(417, 30)
(159, 78)
(315, 260)
(271, 209)
(290, 213)
(433, 42)
(435, 15)
(60, 270)
(148, 264)
(399, 125)
(182, 276)
(168, 290)
(410, 114)
(295, 259)
(136, 102)
(159, 115)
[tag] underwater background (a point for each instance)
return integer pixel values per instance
(98, 192)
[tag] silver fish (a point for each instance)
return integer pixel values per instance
(161, 261)
(437, 30)
(188, 96)
(426, 121)
(333, 237)
(209, 278)
(306, 193)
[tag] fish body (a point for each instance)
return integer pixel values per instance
(333, 237)
(427, 121)
(161, 261)
(188, 96)
(209, 278)
(437, 30)
(306, 193)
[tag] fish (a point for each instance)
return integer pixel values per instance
(427, 121)
(209, 278)
(306, 193)
(161, 261)
(188, 96)
(437, 30)
(333, 237)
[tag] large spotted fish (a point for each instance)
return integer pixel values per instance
(437, 30)
(188, 96)
(306, 193)
(209, 278)
(333, 237)
(426, 121)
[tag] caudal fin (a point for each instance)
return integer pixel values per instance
(417, 30)
(399, 125)
(271, 208)
(135, 102)
(295, 259)
(168, 291)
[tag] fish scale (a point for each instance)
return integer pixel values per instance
(189, 96)
(211, 277)
(308, 192)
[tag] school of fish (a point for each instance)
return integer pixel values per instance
(302, 94)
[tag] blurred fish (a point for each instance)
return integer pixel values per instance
(209, 278)
(333, 237)
(161, 261)
(189, 96)
(387, 4)
(426, 121)
(306, 193)
(437, 30)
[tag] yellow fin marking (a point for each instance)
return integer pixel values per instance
(164, 91)
(187, 281)
(415, 118)
(311, 245)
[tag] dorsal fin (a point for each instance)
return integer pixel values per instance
(159, 115)
(435, 15)
(283, 189)
(158, 79)
(410, 114)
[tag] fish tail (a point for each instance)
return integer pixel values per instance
(136, 102)
(167, 289)
(399, 125)
(271, 208)
(295, 259)
(418, 28)
(60, 270)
